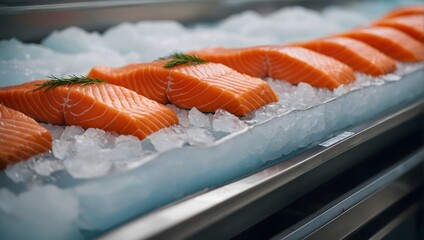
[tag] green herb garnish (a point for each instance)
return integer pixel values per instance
(72, 79)
(179, 58)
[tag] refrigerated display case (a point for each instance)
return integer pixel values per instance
(356, 180)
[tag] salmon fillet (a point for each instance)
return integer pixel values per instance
(356, 54)
(411, 25)
(104, 106)
(405, 11)
(293, 64)
(208, 86)
(236, 58)
(21, 137)
(391, 42)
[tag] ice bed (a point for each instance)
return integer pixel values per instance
(298, 167)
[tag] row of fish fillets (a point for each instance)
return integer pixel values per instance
(133, 97)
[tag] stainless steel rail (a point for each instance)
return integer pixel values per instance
(396, 221)
(355, 208)
(364, 211)
(184, 219)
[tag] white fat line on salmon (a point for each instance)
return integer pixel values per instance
(110, 121)
(91, 119)
(23, 141)
(83, 112)
(168, 85)
(216, 99)
(66, 100)
(126, 126)
(268, 67)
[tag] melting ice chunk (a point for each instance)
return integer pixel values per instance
(266, 112)
(128, 145)
(89, 164)
(70, 132)
(55, 130)
(301, 96)
(199, 119)
(65, 145)
(391, 77)
(19, 172)
(128, 152)
(92, 139)
(63, 149)
(32, 169)
(45, 165)
(168, 138)
(199, 136)
(182, 115)
(224, 121)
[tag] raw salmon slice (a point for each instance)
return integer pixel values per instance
(296, 64)
(21, 137)
(208, 86)
(391, 42)
(104, 106)
(405, 11)
(411, 25)
(356, 54)
(293, 64)
(235, 58)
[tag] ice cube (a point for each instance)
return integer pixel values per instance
(55, 130)
(70, 132)
(128, 153)
(341, 90)
(407, 68)
(199, 136)
(168, 138)
(128, 145)
(63, 148)
(89, 164)
(391, 77)
(224, 121)
(44, 165)
(266, 112)
(94, 139)
(20, 172)
(33, 168)
(198, 119)
(182, 115)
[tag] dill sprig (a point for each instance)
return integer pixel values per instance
(179, 58)
(72, 79)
